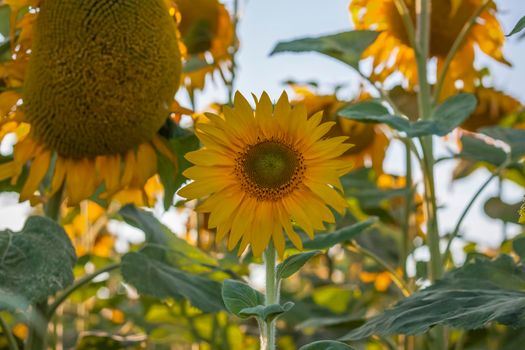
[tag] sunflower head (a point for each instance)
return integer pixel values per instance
(93, 89)
(392, 52)
(207, 33)
(262, 169)
(95, 95)
(493, 107)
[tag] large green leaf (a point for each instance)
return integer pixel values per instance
(446, 117)
(345, 234)
(496, 208)
(157, 233)
(326, 345)
(469, 297)
(515, 138)
(36, 262)
(346, 47)
(152, 271)
(476, 149)
(518, 27)
(239, 296)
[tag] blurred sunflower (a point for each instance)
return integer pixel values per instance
(493, 107)
(260, 168)
(207, 33)
(86, 227)
(85, 109)
(370, 142)
(391, 52)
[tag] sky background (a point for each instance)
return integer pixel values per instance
(264, 23)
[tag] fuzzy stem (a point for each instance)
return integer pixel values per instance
(271, 297)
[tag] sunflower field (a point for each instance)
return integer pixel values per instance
(262, 175)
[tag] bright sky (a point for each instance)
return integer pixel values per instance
(264, 23)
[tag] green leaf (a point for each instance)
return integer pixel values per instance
(180, 143)
(345, 234)
(36, 262)
(447, 116)
(477, 149)
(152, 272)
(518, 27)
(497, 209)
(346, 47)
(469, 297)
(238, 296)
(294, 263)
(266, 313)
(518, 244)
(326, 345)
(515, 138)
(5, 12)
(157, 233)
(194, 63)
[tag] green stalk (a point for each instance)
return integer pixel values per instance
(77, 285)
(37, 338)
(11, 341)
(423, 12)
(405, 249)
(271, 297)
(234, 49)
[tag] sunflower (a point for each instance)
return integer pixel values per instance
(265, 168)
(370, 141)
(207, 33)
(392, 52)
(493, 106)
(84, 107)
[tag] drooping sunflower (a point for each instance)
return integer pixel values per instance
(265, 168)
(392, 52)
(88, 97)
(370, 141)
(493, 106)
(207, 34)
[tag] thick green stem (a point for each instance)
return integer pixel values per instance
(407, 224)
(52, 206)
(271, 297)
(11, 341)
(37, 338)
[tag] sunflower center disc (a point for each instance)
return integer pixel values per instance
(269, 170)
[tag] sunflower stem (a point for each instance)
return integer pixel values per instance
(271, 297)
(423, 13)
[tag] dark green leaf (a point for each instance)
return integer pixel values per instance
(518, 244)
(468, 297)
(293, 264)
(326, 345)
(346, 47)
(477, 149)
(238, 296)
(497, 209)
(518, 27)
(515, 138)
(171, 174)
(152, 272)
(36, 262)
(157, 233)
(445, 118)
(345, 234)
(266, 313)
